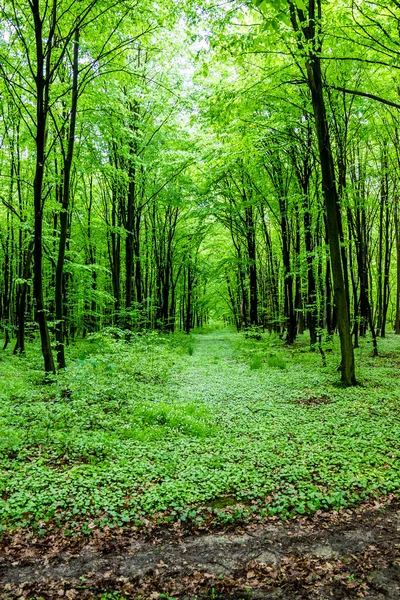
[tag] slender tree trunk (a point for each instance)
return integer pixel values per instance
(272, 278)
(298, 302)
(21, 301)
(251, 252)
(129, 241)
(234, 306)
(397, 233)
(288, 280)
(41, 117)
(115, 251)
(386, 273)
(332, 214)
(311, 286)
(64, 214)
(138, 265)
(314, 76)
(8, 270)
(89, 319)
(188, 320)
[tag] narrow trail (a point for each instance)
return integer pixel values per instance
(353, 554)
(340, 555)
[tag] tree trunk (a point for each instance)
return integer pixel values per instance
(41, 117)
(64, 214)
(386, 272)
(21, 302)
(129, 242)
(188, 320)
(314, 77)
(251, 252)
(311, 286)
(397, 233)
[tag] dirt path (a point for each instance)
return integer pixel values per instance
(351, 554)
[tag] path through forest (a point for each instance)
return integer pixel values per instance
(340, 555)
(353, 554)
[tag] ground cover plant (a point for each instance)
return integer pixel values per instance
(145, 429)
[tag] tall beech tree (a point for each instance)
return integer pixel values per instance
(307, 26)
(68, 154)
(306, 22)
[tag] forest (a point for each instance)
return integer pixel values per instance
(199, 299)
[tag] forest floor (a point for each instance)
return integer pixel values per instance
(337, 555)
(204, 467)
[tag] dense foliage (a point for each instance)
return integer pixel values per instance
(160, 168)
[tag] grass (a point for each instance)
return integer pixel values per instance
(170, 426)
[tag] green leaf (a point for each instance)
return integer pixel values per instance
(300, 4)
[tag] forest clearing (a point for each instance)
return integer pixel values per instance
(199, 299)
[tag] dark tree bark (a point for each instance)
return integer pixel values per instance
(386, 272)
(397, 234)
(298, 301)
(251, 253)
(21, 301)
(8, 247)
(137, 259)
(302, 160)
(383, 202)
(114, 249)
(189, 291)
(274, 167)
(233, 303)
(129, 220)
(64, 214)
(163, 237)
(309, 36)
(42, 108)
(272, 282)
(90, 305)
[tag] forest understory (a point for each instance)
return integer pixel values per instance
(203, 466)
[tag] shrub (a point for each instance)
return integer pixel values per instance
(256, 362)
(276, 362)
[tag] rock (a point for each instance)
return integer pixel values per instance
(388, 580)
(324, 551)
(266, 557)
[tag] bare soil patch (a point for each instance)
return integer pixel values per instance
(340, 555)
(314, 400)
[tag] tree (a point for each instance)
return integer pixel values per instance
(306, 23)
(35, 69)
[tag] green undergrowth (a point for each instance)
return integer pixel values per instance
(211, 426)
